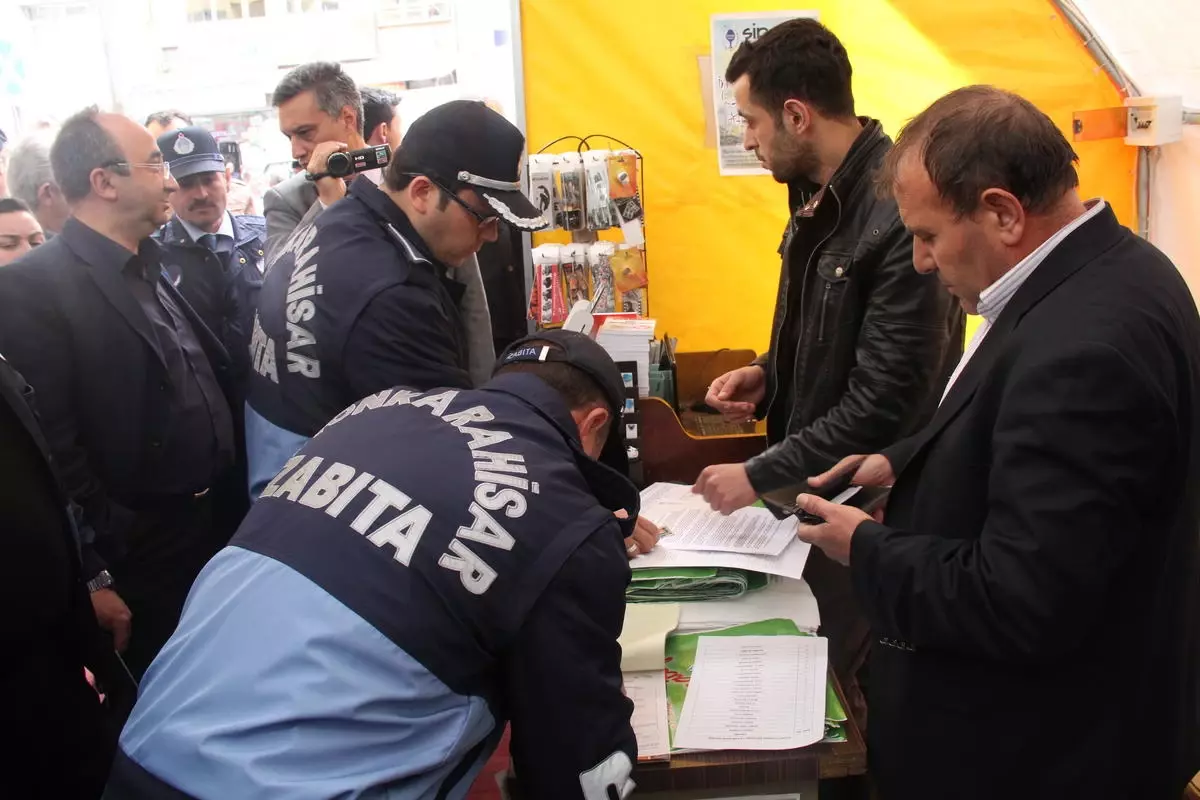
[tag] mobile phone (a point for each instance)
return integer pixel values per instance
(782, 502)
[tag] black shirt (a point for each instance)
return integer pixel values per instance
(198, 443)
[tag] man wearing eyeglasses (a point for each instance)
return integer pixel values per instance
(129, 384)
(362, 299)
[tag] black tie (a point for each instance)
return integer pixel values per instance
(209, 240)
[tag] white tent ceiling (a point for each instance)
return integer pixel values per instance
(1155, 44)
(1154, 41)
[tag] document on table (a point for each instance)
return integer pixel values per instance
(695, 526)
(755, 693)
(648, 691)
(789, 563)
(644, 635)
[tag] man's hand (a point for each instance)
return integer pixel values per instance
(872, 470)
(644, 538)
(736, 394)
(113, 615)
(834, 536)
(330, 189)
(726, 487)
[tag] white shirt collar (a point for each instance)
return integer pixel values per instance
(226, 228)
(994, 298)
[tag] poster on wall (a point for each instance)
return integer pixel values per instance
(728, 31)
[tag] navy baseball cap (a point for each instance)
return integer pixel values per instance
(465, 144)
(581, 352)
(191, 150)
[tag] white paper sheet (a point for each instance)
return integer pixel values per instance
(695, 526)
(648, 691)
(755, 693)
(782, 598)
(644, 635)
(789, 563)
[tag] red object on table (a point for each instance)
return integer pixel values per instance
(485, 786)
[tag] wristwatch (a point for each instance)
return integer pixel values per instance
(103, 580)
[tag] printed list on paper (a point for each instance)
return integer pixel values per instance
(755, 693)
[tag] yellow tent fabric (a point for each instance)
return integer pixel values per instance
(628, 68)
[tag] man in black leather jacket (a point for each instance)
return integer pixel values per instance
(862, 344)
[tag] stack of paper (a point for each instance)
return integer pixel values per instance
(648, 691)
(755, 693)
(681, 661)
(689, 523)
(644, 635)
(629, 340)
(679, 584)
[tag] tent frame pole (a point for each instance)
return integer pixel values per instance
(1125, 84)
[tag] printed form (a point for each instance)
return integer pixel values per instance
(648, 691)
(695, 526)
(755, 693)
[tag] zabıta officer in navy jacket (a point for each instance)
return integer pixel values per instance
(360, 299)
(429, 567)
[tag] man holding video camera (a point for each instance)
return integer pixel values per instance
(321, 113)
(361, 298)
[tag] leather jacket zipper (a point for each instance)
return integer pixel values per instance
(803, 287)
(821, 321)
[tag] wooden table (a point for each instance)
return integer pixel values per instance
(749, 771)
(671, 452)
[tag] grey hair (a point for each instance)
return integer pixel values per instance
(329, 83)
(81, 146)
(29, 168)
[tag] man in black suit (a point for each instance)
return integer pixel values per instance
(58, 746)
(128, 379)
(1036, 586)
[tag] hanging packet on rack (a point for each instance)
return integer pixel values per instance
(573, 264)
(629, 277)
(546, 301)
(569, 178)
(599, 259)
(600, 214)
(623, 185)
(541, 186)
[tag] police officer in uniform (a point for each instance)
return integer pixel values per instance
(429, 567)
(361, 298)
(213, 257)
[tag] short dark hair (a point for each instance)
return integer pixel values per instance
(799, 59)
(398, 181)
(980, 137)
(576, 387)
(166, 116)
(11, 205)
(329, 83)
(379, 106)
(81, 146)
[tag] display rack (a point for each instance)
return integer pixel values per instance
(595, 248)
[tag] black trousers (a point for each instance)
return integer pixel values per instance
(171, 541)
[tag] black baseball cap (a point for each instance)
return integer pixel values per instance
(191, 150)
(464, 144)
(581, 352)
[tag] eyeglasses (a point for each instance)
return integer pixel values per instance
(485, 220)
(162, 166)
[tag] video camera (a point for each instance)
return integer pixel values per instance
(341, 165)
